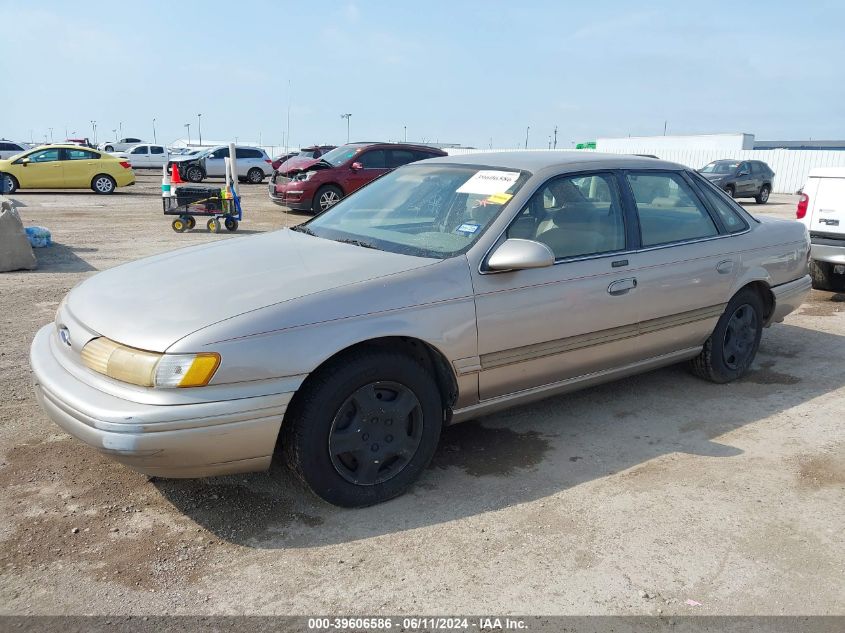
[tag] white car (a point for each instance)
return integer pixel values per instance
(822, 210)
(10, 148)
(253, 164)
(145, 156)
(119, 146)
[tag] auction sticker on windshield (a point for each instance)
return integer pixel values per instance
(489, 182)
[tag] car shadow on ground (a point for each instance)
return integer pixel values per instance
(60, 258)
(531, 452)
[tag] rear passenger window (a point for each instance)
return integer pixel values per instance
(247, 153)
(574, 216)
(399, 157)
(668, 209)
(373, 160)
(155, 149)
(730, 218)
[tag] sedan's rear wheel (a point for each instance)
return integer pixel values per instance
(731, 349)
(103, 183)
(364, 427)
(109, 148)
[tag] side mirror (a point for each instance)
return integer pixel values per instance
(517, 254)
(25, 161)
(356, 166)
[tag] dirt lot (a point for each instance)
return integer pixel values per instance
(629, 498)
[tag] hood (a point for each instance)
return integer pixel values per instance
(181, 158)
(292, 165)
(152, 303)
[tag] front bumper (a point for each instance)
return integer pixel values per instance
(789, 297)
(293, 197)
(184, 440)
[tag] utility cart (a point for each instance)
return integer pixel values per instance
(216, 204)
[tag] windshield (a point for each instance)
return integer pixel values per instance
(435, 211)
(340, 155)
(720, 167)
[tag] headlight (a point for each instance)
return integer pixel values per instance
(149, 369)
(306, 176)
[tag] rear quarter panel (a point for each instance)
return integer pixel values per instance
(774, 251)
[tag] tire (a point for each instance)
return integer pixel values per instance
(231, 224)
(213, 225)
(821, 273)
(326, 197)
(195, 174)
(731, 349)
(10, 183)
(730, 191)
(363, 396)
(103, 183)
(255, 175)
(108, 148)
(763, 196)
(179, 225)
(192, 222)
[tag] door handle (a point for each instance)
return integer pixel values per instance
(621, 286)
(725, 266)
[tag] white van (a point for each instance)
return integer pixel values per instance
(822, 209)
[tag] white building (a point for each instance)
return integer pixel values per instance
(638, 144)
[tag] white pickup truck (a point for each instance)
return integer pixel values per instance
(822, 209)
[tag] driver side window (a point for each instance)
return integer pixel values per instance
(574, 216)
(44, 156)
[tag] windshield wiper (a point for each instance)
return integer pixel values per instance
(359, 243)
(301, 228)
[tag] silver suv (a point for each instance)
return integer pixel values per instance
(253, 164)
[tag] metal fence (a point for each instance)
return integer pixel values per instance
(791, 167)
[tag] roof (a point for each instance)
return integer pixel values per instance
(535, 161)
(827, 172)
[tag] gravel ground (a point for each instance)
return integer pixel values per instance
(629, 498)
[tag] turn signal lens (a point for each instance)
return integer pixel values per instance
(186, 370)
(148, 369)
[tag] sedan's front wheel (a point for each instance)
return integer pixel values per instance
(731, 349)
(364, 427)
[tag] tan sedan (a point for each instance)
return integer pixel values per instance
(442, 291)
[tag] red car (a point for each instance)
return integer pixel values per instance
(317, 184)
(281, 158)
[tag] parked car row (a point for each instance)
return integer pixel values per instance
(316, 184)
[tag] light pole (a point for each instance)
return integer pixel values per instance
(120, 127)
(406, 133)
(526, 136)
(51, 134)
(94, 130)
(555, 141)
(115, 133)
(346, 116)
(199, 126)
(550, 141)
(188, 125)
(155, 140)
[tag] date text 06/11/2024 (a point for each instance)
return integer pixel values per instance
(490, 623)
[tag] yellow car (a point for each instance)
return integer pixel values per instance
(65, 167)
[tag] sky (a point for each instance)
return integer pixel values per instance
(479, 73)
